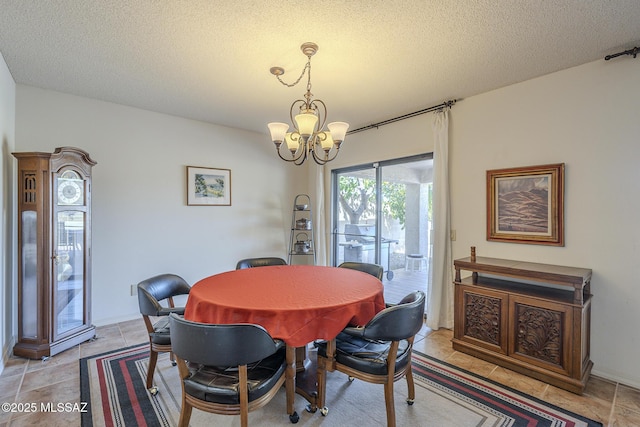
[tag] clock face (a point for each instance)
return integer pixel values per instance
(69, 192)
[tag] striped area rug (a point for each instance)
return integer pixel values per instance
(114, 385)
(510, 407)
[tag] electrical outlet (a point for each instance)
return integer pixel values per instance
(453, 235)
(134, 290)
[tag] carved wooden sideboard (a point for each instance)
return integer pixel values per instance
(532, 318)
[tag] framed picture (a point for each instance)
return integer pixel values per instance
(208, 186)
(526, 205)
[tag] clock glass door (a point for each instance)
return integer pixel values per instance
(69, 254)
(29, 259)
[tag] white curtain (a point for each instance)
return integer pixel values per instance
(440, 298)
(317, 205)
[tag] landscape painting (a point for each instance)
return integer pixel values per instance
(208, 186)
(525, 204)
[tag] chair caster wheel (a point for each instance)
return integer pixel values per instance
(174, 363)
(294, 418)
(324, 411)
(409, 402)
(351, 379)
(311, 408)
(153, 390)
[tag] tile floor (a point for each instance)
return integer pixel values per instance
(56, 380)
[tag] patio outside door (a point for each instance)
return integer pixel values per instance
(382, 215)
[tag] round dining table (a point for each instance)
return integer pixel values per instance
(295, 303)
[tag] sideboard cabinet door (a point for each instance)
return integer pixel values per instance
(483, 317)
(541, 333)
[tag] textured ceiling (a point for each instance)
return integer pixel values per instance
(209, 60)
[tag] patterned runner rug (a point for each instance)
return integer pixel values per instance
(114, 385)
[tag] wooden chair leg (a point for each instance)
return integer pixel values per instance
(389, 402)
(290, 379)
(321, 373)
(153, 358)
(185, 412)
(325, 364)
(411, 390)
(244, 396)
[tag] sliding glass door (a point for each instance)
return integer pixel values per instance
(382, 215)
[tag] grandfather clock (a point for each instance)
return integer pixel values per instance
(54, 251)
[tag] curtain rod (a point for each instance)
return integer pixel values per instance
(635, 51)
(446, 104)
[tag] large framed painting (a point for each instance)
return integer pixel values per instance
(208, 186)
(526, 205)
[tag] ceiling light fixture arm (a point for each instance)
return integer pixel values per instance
(300, 156)
(296, 159)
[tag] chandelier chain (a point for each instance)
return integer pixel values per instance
(308, 66)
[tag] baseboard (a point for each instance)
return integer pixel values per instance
(615, 378)
(112, 320)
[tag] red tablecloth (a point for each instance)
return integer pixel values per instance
(295, 303)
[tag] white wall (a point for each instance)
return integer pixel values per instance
(587, 117)
(141, 223)
(7, 140)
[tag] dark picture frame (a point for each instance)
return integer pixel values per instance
(208, 186)
(526, 205)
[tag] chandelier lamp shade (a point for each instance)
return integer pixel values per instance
(308, 138)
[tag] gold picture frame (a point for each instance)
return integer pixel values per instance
(208, 186)
(526, 205)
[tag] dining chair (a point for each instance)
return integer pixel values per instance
(151, 293)
(226, 369)
(259, 262)
(372, 269)
(379, 352)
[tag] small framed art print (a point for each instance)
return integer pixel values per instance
(208, 186)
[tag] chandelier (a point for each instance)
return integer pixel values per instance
(308, 138)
